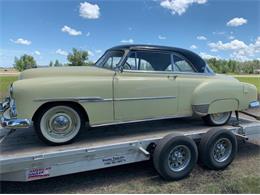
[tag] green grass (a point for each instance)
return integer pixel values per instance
(5, 82)
(253, 80)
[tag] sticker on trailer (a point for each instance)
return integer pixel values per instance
(38, 173)
(114, 160)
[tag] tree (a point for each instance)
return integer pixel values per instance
(78, 58)
(57, 63)
(24, 62)
(51, 64)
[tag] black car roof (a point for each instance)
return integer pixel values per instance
(194, 58)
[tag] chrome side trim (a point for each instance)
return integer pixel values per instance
(139, 120)
(80, 99)
(99, 99)
(145, 98)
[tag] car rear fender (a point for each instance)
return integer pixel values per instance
(216, 96)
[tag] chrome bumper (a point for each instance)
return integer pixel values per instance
(12, 123)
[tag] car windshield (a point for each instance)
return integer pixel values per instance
(110, 60)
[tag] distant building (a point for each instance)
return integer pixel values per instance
(257, 71)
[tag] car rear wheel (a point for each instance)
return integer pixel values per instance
(217, 119)
(59, 125)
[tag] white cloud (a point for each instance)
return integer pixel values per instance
(21, 41)
(179, 6)
(208, 56)
(61, 52)
(88, 34)
(90, 53)
(193, 47)
(233, 45)
(231, 37)
(70, 31)
(236, 22)
(240, 50)
(98, 51)
(89, 11)
(37, 53)
(161, 37)
(203, 38)
(130, 41)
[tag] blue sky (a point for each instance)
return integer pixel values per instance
(48, 30)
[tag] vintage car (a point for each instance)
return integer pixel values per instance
(129, 83)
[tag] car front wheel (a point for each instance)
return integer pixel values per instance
(58, 125)
(217, 119)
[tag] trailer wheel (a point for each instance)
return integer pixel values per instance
(217, 149)
(175, 156)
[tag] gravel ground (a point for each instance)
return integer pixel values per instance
(242, 176)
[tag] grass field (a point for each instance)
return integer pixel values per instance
(255, 80)
(5, 82)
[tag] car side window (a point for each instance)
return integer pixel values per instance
(110, 60)
(181, 65)
(130, 63)
(153, 61)
(148, 61)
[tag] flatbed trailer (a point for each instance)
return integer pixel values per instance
(25, 158)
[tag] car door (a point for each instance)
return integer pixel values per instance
(146, 88)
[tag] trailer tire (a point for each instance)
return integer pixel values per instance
(217, 149)
(175, 156)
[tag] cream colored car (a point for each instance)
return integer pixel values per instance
(128, 83)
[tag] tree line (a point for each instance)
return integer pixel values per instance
(232, 66)
(75, 58)
(81, 58)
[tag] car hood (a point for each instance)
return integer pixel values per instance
(65, 71)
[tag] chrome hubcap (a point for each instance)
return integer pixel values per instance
(60, 122)
(222, 150)
(179, 158)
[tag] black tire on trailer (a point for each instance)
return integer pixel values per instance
(217, 149)
(175, 156)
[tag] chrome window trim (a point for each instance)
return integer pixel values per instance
(140, 120)
(170, 72)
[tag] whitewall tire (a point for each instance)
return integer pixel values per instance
(59, 124)
(217, 119)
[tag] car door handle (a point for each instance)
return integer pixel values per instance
(174, 77)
